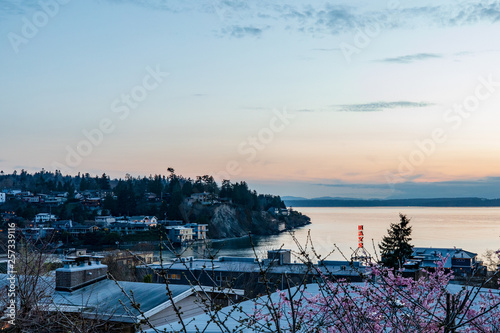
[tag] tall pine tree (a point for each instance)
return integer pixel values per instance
(395, 248)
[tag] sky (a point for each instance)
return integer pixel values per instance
(364, 99)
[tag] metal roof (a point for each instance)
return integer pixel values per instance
(108, 299)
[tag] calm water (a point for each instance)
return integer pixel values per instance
(473, 229)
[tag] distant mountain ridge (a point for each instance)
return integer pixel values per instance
(419, 202)
(285, 198)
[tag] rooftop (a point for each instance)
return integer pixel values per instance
(238, 264)
(107, 299)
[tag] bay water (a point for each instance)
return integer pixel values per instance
(334, 231)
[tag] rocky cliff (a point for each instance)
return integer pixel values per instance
(228, 220)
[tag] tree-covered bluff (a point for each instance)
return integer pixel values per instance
(230, 209)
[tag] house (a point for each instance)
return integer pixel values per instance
(44, 218)
(62, 225)
(202, 198)
(31, 199)
(60, 194)
(461, 262)
(278, 211)
(12, 192)
(199, 230)
(35, 234)
(132, 259)
(92, 203)
(179, 234)
(128, 228)
(149, 220)
(53, 200)
(104, 220)
(82, 291)
(79, 229)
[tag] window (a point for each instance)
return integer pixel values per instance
(173, 276)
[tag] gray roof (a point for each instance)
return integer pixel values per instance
(105, 299)
(237, 264)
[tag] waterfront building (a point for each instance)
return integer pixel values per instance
(253, 275)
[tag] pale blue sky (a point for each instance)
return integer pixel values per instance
(363, 83)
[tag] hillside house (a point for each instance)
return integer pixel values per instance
(152, 221)
(104, 220)
(44, 218)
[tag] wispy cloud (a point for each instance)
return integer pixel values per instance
(13, 7)
(170, 6)
(333, 49)
(254, 108)
(335, 19)
(312, 18)
(242, 31)
(380, 106)
(412, 58)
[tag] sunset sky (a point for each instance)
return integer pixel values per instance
(366, 99)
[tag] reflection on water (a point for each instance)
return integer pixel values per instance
(473, 229)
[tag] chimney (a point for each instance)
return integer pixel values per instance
(79, 272)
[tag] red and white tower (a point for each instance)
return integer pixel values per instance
(360, 254)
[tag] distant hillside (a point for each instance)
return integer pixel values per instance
(285, 198)
(333, 198)
(434, 202)
(229, 209)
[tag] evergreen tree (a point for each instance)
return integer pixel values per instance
(103, 182)
(395, 247)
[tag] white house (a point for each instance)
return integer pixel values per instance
(149, 220)
(178, 234)
(278, 211)
(44, 217)
(105, 220)
(203, 198)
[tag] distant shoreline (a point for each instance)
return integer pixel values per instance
(434, 202)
